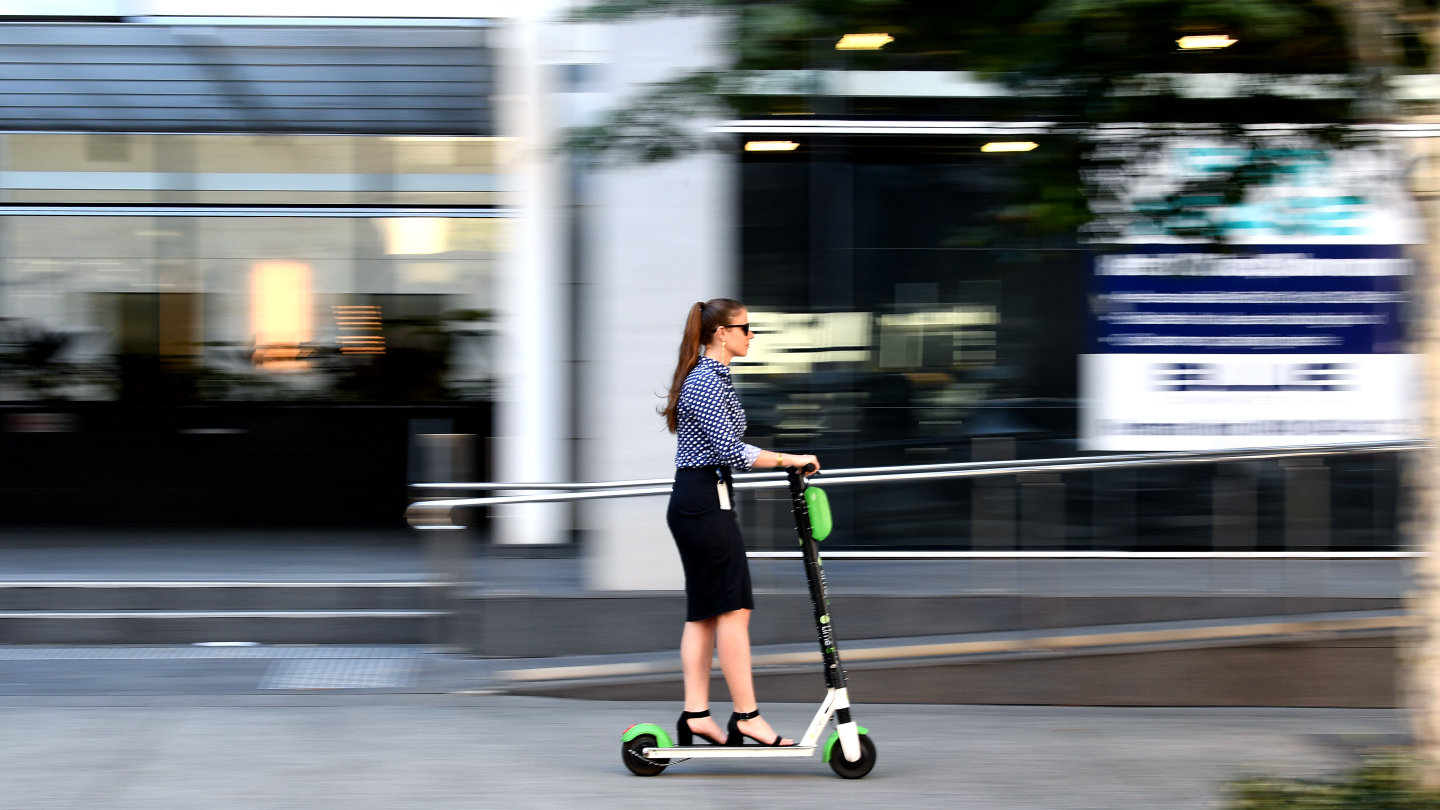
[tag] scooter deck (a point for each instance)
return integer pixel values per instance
(723, 751)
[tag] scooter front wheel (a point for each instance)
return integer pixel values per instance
(632, 753)
(859, 767)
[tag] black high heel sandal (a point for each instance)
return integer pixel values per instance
(738, 737)
(685, 735)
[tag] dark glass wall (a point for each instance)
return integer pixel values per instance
(909, 312)
(967, 336)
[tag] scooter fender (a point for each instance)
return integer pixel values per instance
(835, 738)
(662, 740)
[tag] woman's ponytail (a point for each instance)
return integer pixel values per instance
(703, 317)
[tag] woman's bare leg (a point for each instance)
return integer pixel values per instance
(697, 651)
(732, 638)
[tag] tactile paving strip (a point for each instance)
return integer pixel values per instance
(200, 652)
(342, 673)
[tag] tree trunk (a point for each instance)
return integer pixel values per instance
(1420, 671)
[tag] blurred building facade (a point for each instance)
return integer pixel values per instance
(251, 232)
(914, 306)
(225, 236)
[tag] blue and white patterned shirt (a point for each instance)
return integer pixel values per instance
(710, 421)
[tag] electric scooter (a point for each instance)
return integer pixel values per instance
(646, 748)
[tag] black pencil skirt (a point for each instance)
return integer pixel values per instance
(717, 574)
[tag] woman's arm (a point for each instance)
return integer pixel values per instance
(771, 458)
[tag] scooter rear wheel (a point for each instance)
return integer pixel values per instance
(858, 768)
(633, 754)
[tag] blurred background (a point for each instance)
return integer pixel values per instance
(265, 266)
(253, 254)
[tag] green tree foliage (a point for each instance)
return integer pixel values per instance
(1387, 782)
(1080, 64)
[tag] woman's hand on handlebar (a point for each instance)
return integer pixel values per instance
(800, 461)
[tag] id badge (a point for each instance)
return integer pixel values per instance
(724, 493)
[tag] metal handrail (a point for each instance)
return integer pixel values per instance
(1092, 463)
(436, 513)
(968, 468)
(1091, 554)
(567, 486)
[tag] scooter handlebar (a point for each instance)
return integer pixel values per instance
(798, 476)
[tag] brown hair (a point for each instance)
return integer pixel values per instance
(701, 321)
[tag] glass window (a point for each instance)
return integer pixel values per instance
(225, 307)
(122, 168)
(900, 321)
(898, 333)
(81, 168)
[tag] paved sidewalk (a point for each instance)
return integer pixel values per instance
(464, 751)
(401, 726)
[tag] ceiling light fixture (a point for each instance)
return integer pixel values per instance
(863, 42)
(771, 146)
(1009, 146)
(1208, 42)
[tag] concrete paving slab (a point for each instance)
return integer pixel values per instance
(441, 751)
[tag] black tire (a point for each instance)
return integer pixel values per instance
(639, 765)
(858, 768)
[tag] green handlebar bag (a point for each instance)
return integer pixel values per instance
(818, 504)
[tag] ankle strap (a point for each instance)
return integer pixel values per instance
(692, 715)
(747, 715)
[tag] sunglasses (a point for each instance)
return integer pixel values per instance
(744, 327)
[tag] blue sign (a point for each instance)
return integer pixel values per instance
(1283, 299)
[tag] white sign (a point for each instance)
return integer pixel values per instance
(1158, 402)
(1293, 335)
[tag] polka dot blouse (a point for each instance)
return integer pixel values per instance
(710, 421)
